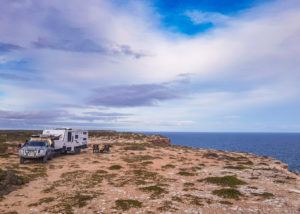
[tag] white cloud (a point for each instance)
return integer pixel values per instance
(200, 17)
(257, 49)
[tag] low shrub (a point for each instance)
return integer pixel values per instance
(230, 181)
(194, 200)
(185, 173)
(3, 148)
(225, 202)
(41, 201)
(138, 158)
(135, 147)
(237, 167)
(9, 179)
(227, 193)
(188, 184)
(264, 195)
(126, 204)
(168, 166)
(115, 167)
(156, 190)
(167, 206)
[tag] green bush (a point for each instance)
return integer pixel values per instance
(227, 193)
(230, 181)
(185, 173)
(265, 195)
(126, 204)
(115, 167)
(155, 190)
(168, 166)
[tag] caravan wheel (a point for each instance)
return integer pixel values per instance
(77, 150)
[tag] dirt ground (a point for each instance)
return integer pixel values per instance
(146, 178)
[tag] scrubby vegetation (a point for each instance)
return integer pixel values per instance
(16, 135)
(237, 167)
(11, 138)
(167, 206)
(141, 177)
(154, 139)
(155, 190)
(126, 204)
(9, 180)
(188, 184)
(136, 147)
(114, 134)
(194, 200)
(115, 167)
(168, 166)
(225, 202)
(41, 201)
(72, 200)
(185, 173)
(264, 195)
(227, 193)
(138, 158)
(3, 148)
(230, 181)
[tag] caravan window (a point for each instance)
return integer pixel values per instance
(76, 136)
(84, 132)
(69, 136)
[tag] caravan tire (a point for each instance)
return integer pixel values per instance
(64, 150)
(77, 150)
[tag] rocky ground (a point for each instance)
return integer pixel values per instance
(141, 175)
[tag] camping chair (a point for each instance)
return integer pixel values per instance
(95, 148)
(105, 148)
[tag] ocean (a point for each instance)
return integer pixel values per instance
(282, 146)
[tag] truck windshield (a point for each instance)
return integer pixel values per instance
(36, 143)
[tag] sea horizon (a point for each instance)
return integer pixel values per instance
(282, 146)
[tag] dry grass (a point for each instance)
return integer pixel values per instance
(41, 201)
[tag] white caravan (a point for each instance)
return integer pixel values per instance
(68, 140)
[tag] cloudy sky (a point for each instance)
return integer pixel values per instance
(152, 65)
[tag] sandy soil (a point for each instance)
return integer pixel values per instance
(155, 179)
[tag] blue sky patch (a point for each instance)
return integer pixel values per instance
(174, 18)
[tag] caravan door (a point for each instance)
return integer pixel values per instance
(70, 137)
(70, 144)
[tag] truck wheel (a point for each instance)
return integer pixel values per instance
(51, 156)
(45, 158)
(22, 161)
